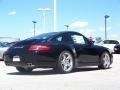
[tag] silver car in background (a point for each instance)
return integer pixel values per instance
(110, 44)
(3, 48)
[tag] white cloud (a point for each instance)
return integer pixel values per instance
(43, 9)
(78, 24)
(88, 32)
(12, 13)
(115, 35)
(103, 29)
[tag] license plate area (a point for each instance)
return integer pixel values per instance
(16, 58)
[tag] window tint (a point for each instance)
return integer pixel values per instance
(61, 38)
(58, 39)
(78, 39)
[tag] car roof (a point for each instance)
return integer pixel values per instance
(61, 32)
(51, 34)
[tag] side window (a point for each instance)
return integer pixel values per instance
(78, 39)
(58, 39)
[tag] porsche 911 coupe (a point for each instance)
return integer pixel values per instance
(63, 51)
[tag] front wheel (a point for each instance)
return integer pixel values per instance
(104, 61)
(24, 70)
(65, 62)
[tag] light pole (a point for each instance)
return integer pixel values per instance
(44, 10)
(55, 16)
(106, 16)
(67, 26)
(34, 22)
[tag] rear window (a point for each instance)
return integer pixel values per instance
(111, 42)
(43, 36)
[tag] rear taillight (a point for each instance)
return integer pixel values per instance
(39, 48)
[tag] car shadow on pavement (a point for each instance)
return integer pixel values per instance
(38, 72)
(85, 69)
(88, 69)
(1, 60)
(52, 72)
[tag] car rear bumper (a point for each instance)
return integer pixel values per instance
(34, 62)
(32, 65)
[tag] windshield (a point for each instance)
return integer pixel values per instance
(43, 36)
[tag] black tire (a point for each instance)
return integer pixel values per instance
(65, 62)
(24, 70)
(105, 61)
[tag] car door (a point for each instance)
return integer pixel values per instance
(86, 52)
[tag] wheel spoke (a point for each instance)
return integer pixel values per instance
(68, 57)
(65, 67)
(63, 57)
(62, 62)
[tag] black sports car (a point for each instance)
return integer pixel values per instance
(62, 51)
(117, 48)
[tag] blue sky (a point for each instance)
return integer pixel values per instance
(85, 16)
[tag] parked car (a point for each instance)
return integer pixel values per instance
(110, 44)
(9, 44)
(117, 48)
(3, 48)
(62, 51)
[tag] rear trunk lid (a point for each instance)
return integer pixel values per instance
(23, 46)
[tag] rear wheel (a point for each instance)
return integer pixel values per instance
(24, 70)
(104, 61)
(65, 62)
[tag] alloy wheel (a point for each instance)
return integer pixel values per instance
(66, 61)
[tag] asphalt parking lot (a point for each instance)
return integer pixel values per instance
(89, 78)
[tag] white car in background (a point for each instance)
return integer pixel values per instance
(3, 48)
(110, 44)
